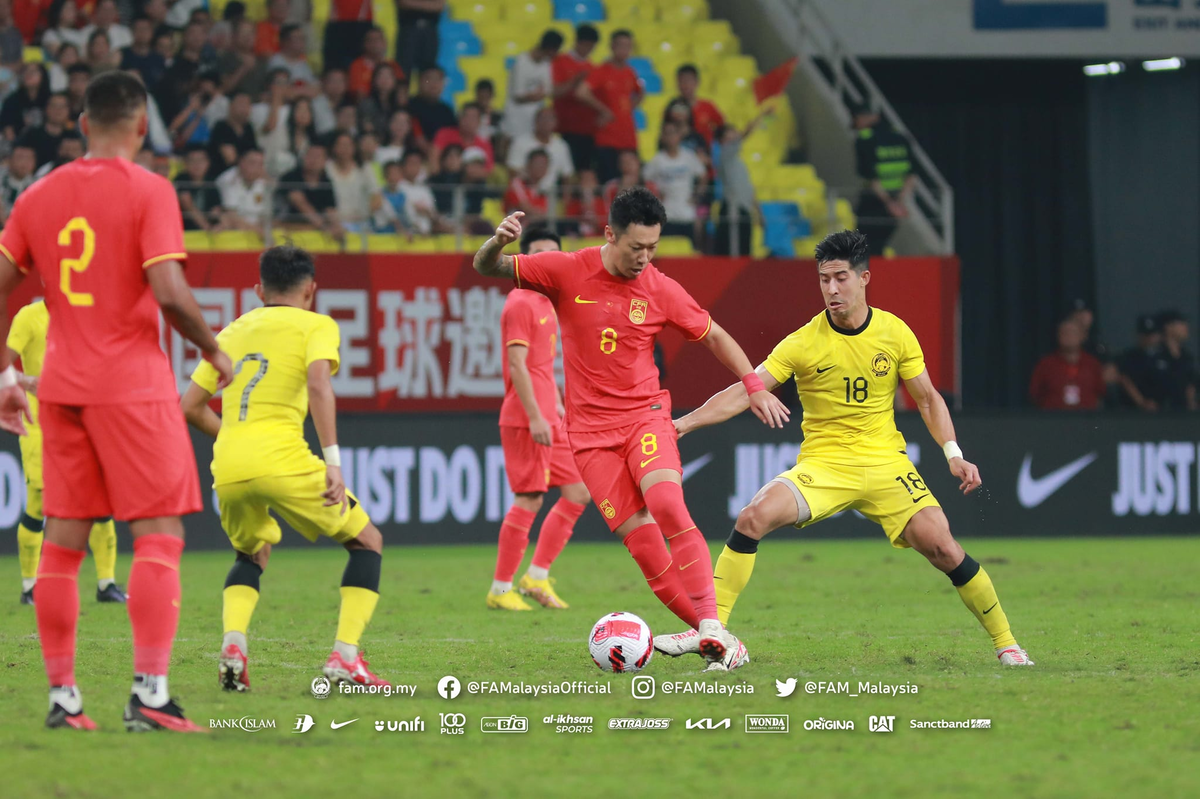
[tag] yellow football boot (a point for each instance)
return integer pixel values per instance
(542, 592)
(509, 600)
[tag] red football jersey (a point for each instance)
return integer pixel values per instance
(574, 115)
(90, 228)
(615, 86)
(608, 328)
(528, 318)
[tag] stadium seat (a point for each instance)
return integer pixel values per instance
(235, 241)
(33, 55)
(713, 37)
(529, 12)
(630, 12)
(477, 68)
(675, 246)
(196, 241)
(683, 11)
(452, 29)
(648, 142)
(314, 241)
(321, 10)
(492, 210)
(480, 12)
(578, 11)
(639, 119)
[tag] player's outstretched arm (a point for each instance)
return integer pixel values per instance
(199, 415)
(179, 307)
(723, 405)
(490, 261)
(323, 406)
(766, 406)
(14, 407)
(937, 419)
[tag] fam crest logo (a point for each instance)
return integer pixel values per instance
(805, 478)
(881, 364)
(637, 311)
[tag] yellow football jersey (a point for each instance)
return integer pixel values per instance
(263, 410)
(847, 381)
(27, 337)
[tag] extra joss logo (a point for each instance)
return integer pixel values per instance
(639, 724)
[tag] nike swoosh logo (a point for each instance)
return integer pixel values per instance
(651, 460)
(585, 302)
(918, 499)
(989, 610)
(1032, 491)
(693, 563)
(691, 467)
(333, 725)
(826, 369)
(542, 321)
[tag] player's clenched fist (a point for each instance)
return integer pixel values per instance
(510, 229)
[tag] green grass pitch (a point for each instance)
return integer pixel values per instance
(1110, 709)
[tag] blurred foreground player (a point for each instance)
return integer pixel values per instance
(536, 452)
(27, 341)
(848, 362)
(285, 357)
(612, 303)
(107, 239)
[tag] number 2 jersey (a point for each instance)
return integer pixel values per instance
(609, 324)
(847, 381)
(263, 409)
(90, 228)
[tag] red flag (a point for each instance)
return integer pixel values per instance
(775, 81)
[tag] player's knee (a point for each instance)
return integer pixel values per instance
(577, 493)
(753, 521)
(370, 539)
(529, 502)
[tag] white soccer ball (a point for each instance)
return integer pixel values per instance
(621, 642)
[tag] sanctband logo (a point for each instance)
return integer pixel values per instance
(245, 723)
(881, 723)
(504, 724)
(453, 723)
(321, 687)
(774, 722)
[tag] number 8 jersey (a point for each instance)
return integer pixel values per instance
(90, 228)
(847, 381)
(263, 409)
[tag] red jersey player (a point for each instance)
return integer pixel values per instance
(611, 303)
(106, 238)
(536, 452)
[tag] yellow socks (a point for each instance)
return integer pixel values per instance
(732, 572)
(103, 542)
(240, 601)
(29, 548)
(358, 605)
(979, 595)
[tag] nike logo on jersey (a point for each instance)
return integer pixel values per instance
(582, 301)
(542, 321)
(693, 563)
(1032, 491)
(918, 499)
(826, 369)
(650, 460)
(334, 725)
(989, 610)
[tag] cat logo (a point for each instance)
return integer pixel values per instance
(807, 479)
(607, 509)
(881, 364)
(637, 311)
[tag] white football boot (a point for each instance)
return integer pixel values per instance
(687, 643)
(736, 655)
(1013, 656)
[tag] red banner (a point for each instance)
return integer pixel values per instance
(422, 332)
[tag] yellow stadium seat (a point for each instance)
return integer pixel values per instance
(321, 10)
(682, 11)
(196, 241)
(315, 241)
(481, 12)
(648, 143)
(844, 212)
(528, 12)
(758, 243)
(675, 246)
(590, 241)
(806, 246)
(382, 243)
(653, 105)
(504, 42)
(634, 12)
(236, 241)
(33, 55)
(714, 37)
(492, 210)
(474, 68)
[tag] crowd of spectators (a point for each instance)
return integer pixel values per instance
(255, 138)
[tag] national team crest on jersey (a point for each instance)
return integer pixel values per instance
(881, 364)
(607, 509)
(637, 311)
(807, 479)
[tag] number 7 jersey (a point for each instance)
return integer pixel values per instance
(90, 228)
(263, 409)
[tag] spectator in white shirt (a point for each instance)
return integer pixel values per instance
(677, 171)
(244, 193)
(63, 31)
(530, 84)
(104, 18)
(331, 98)
(420, 210)
(293, 56)
(355, 186)
(543, 137)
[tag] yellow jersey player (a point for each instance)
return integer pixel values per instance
(27, 341)
(285, 356)
(847, 363)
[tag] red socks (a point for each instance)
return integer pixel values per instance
(154, 600)
(556, 532)
(57, 604)
(514, 537)
(650, 551)
(688, 547)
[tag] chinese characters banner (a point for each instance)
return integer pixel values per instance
(422, 332)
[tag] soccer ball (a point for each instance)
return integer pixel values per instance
(621, 642)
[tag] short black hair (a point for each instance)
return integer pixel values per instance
(552, 40)
(538, 153)
(433, 68)
(235, 9)
(283, 268)
(195, 148)
(411, 153)
(485, 83)
(113, 98)
(636, 205)
(848, 245)
(288, 29)
(77, 68)
(469, 106)
(617, 34)
(688, 69)
(536, 234)
(587, 33)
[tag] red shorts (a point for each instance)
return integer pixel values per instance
(129, 461)
(532, 468)
(613, 463)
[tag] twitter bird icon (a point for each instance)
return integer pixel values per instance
(787, 688)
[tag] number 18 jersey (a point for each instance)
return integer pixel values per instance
(263, 409)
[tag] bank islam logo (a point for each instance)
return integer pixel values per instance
(1033, 491)
(304, 723)
(785, 687)
(881, 723)
(708, 724)
(415, 725)
(453, 723)
(449, 687)
(504, 724)
(642, 687)
(245, 724)
(321, 687)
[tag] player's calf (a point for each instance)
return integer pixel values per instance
(360, 594)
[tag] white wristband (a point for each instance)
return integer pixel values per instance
(952, 450)
(8, 378)
(333, 456)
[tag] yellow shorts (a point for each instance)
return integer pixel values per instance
(245, 506)
(888, 494)
(31, 457)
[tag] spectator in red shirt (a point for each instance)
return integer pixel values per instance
(1069, 379)
(629, 163)
(266, 39)
(576, 119)
(523, 192)
(465, 135)
(706, 117)
(374, 53)
(587, 207)
(613, 90)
